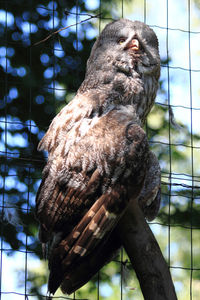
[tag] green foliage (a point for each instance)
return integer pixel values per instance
(36, 82)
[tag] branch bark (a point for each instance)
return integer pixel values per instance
(145, 255)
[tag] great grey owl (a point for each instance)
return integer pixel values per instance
(99, 156)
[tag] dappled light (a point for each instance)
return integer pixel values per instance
(38, 78)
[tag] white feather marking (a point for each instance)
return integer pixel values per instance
(76, 234)
(97, 231)
(86, 124)
(93, 226)
(91, 213)
(80, 250)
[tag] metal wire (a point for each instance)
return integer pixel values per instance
(175, 185)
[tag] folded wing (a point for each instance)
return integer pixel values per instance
(89, 178)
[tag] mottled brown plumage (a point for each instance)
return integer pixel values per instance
(99, 156)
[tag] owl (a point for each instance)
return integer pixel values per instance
(98, 156)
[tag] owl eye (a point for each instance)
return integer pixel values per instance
(121, 40)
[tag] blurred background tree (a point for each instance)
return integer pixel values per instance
(36, 82)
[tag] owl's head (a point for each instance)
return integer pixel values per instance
(127, 47)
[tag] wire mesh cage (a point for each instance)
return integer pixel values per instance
(43, 53)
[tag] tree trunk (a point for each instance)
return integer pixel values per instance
(145, 255)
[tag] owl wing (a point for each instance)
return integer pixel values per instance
(149, 202)
(80, 107)
(86, 188)
(150, 195)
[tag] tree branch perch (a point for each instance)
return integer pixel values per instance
(145, 255)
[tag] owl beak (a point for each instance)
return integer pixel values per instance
(133, 44)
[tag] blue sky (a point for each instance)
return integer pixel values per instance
(181, 92)
(184, 55)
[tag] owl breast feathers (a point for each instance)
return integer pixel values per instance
(99, 157)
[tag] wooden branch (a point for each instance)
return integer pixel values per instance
(63, 28)
(145, 255)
